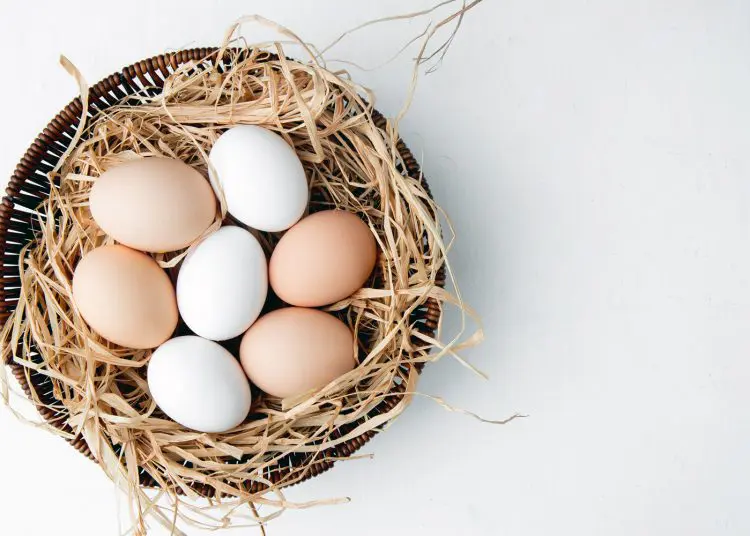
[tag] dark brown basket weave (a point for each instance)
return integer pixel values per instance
(29, 186)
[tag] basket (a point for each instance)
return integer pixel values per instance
(29, 186)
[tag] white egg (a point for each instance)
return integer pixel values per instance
(262, 178)
(199, 384)
(222, 284)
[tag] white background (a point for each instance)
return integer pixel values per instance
(595, 159)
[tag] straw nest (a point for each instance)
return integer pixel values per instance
(353, 163)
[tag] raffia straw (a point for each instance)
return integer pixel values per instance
(352, 165)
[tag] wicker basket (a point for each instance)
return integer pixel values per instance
(29, 185)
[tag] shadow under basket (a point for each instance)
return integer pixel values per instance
(29, 185)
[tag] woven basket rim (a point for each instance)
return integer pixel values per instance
(27, 188)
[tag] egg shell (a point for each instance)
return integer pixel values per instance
(222, 284)
(125, 297)
(291, 351)
(153, 204)
(199, 384)
(325, 258)
(262, 178)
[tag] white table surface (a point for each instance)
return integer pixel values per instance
(595, 159)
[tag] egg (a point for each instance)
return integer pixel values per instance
(325, 258)
(125, 297)
(222, 284)
(261, 176)
(153, 204)
(291, 351)
(199, 384)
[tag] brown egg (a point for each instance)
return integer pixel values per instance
(153, 204)
(291, 351)
(324, 258)
(125, 297)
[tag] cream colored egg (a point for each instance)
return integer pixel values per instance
(125, 297)
(291, 351)
(153, 204)
(324, 258)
